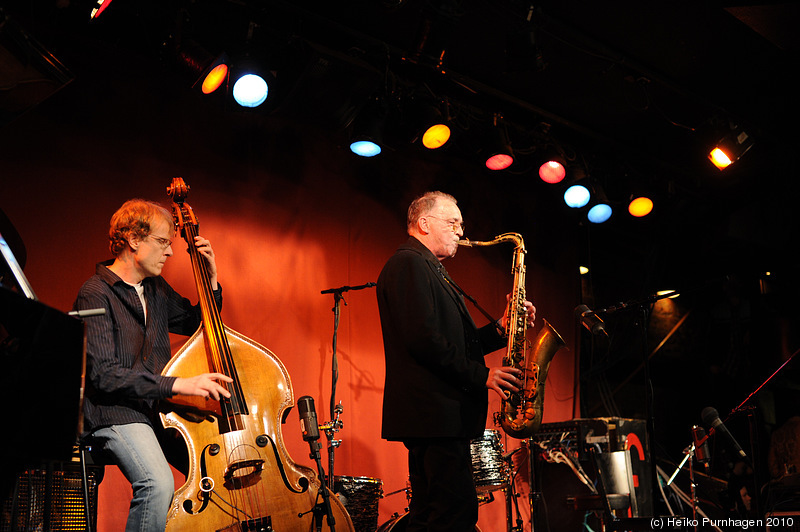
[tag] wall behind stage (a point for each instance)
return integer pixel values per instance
(288, 216)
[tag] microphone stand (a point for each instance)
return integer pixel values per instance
(753, 434)
(333, 426)
(642, 305)
(82, 445)
(689, 453)
(326, 501)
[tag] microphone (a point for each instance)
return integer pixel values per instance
(308, 418)
(590, 320)
(711, 417)
(701, 452)
(346, 288)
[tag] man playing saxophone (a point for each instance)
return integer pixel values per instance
(435, 399)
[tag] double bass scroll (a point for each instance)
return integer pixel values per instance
(240, 476)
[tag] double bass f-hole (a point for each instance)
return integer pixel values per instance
(240, 476)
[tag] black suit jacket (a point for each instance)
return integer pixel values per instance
(435, 371)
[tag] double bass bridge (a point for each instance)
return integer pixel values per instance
(243, 473)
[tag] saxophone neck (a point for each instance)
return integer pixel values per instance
(515, 238)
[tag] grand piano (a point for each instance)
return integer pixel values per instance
(42, 366)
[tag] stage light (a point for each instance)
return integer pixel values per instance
(599, 213)
(552, 172)
(499, 161)
(209, 72)
(215, 75)
(250, 82)
(366, 136)
(500, 154)
(730, 148)
(436, 136)
(577, 196)
(640, 206)
(250, 90)
(99, 7)
(553, 164)
(365, 148)
(433, 123)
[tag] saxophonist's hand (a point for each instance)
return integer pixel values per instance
(504, 378)
(530, 313)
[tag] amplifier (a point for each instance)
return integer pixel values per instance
(51, 498)
(567, 467)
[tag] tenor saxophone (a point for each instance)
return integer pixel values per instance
(521, 412)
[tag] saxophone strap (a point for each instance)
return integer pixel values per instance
(472, 300)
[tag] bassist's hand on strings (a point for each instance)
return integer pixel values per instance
(504, 378)
(204, 385)
(204, 247)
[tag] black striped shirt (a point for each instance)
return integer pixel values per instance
(125, 356)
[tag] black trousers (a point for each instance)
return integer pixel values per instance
(443, 495)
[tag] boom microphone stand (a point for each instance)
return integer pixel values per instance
(332, 427)
(642, 306)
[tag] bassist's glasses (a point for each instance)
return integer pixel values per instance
(163, 242)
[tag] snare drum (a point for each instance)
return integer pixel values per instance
(489, 470)
(360, 496)
(398, 523)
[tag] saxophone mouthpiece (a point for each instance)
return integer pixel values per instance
(465, 242)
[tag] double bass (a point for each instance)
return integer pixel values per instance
(240, 478)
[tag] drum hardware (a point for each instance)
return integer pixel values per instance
(489, 470)
(399, 522)
(360, 497)
(407, 490)
(492, 470)
(485, 498)
(330, 428)
(511, 496)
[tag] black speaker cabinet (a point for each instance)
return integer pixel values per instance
(51, 498)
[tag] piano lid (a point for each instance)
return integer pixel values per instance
(12, 251)
(42, 368)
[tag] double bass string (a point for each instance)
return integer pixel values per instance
(243, 501)
(220, 349)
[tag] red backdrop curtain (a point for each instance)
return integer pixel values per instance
(285, 225)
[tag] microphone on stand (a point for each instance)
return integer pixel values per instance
(347, 288)
(590, 320)
(310, 428)
(711, 417)
(701, 451)
(308, 418)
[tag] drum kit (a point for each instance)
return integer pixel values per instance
(360, 495)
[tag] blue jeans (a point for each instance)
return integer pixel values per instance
(137, 452)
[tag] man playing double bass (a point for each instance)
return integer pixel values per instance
(435, 397)
(128, 347)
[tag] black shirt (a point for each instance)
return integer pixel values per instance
(125, 355)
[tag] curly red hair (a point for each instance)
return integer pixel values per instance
(134, 219)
